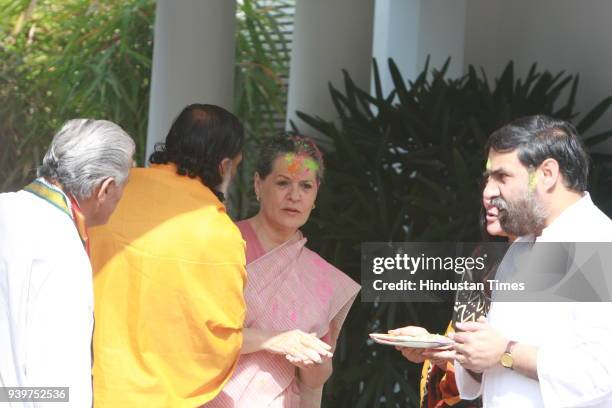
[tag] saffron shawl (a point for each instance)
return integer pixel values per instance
(290, 287)
(169, 275)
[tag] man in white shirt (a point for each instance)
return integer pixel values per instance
(46, 297)
(540, 354)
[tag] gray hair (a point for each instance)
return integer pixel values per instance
(84, 153)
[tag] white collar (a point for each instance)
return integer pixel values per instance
(568, 216)
(59, 190)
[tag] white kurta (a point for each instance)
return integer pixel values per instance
(46, 300)
(574, 339)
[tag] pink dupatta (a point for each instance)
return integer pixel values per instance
(288, 288)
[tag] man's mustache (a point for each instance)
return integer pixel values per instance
(499, 203)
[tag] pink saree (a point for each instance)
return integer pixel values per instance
(290, 287)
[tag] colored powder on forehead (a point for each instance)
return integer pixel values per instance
(488, 165)
(294, 163)
(311, 164)
(289, 157)
(297, 164)
(294, 168)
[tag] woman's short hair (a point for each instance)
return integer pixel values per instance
(276, 146)
(199, 139)
(84, 153)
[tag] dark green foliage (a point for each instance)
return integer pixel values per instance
(407, 167)
(262, 68)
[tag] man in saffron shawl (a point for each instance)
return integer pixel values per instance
(169, 272)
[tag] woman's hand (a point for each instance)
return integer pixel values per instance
(439, 356)
(300, 348)
(414, 355)
(306, 364)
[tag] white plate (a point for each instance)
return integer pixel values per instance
(412, 342)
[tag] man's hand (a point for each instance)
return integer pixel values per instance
(440, 356)
(478, 346)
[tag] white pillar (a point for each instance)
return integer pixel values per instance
(329, 35)
(396, 35)
(193, 60)
(411, 30)
(442, 34)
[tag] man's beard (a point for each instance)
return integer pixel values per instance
(523, 216)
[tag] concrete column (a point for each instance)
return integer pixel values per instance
(411, 30)
(442, 34)
(329, 35)
(396, 35)
(193, 60)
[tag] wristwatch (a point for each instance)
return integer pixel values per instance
(506, 359)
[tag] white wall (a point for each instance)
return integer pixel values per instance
(442, 34)
(328, 36)
(410, 30)
(570, 35)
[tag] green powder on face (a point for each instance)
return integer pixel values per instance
(533, 179)
(311, 164)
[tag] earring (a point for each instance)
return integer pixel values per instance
(257, 197)
(314, 206)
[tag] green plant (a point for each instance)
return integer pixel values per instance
(407, 167)
(79, 58)
(262, 68)
(61, 60)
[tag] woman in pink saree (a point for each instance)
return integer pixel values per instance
(296, 301)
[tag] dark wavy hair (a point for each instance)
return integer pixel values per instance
(276, 146)
(537, 138)
(199, 139)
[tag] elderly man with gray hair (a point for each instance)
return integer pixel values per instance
(46, 296)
